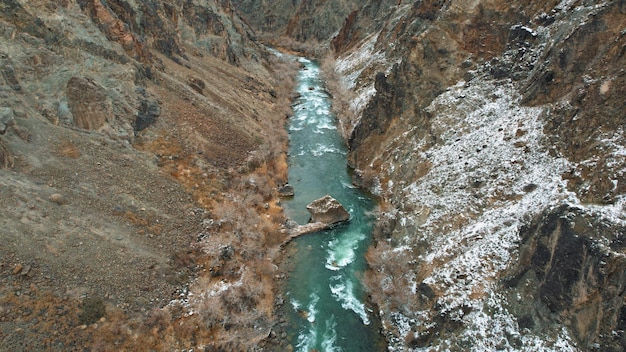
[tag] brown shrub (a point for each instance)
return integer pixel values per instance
(135, 219)
(66, 148)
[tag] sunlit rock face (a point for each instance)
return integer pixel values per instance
(494, 135)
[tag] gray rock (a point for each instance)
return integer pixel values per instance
(6, 119)
(327, 210)
(147, 114)
(286, 190)
(11, 78)
(57, 198)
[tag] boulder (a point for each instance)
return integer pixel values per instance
(286, 190)
(327, 210)
(325, 213)
(10, 77)
(6, 118)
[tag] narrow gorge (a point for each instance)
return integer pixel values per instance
(147, 146)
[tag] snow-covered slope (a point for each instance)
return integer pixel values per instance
(495, 141)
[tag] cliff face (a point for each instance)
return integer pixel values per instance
(129, 130)
(494, 135)
(302, 20)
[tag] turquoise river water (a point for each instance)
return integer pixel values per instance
(326, 309)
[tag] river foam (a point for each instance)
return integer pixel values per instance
(343, 291)
(342, 250)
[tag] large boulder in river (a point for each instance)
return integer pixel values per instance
(327, 210)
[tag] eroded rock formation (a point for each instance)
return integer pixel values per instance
(89, 103)
(326, 212)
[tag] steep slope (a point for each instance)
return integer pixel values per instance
(140, 146)
(309, 23)
(494, 135)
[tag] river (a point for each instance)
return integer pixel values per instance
(326, 305)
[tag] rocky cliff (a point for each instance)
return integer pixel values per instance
(307, 22)
(134, 137)
(494, 135)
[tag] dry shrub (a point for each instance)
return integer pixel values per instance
(155, 229)
(157, 320)
(135, 219)
(66, 148)
(185, 258)
(280, 168)
(272, 235)
(211, 313)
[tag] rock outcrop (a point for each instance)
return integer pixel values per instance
(327, 210)
(286, 190)
(88, 103)
(574, 264)
(306, 21)
(6, 119)
(6, 158)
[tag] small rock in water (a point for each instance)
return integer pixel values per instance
(286, 191)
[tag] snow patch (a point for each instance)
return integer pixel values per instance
(490, 173)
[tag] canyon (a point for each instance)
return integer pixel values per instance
(143, 144)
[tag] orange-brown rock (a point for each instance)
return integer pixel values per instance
(115, 29)
(88, 103)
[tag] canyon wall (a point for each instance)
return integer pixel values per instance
(140, 147)
(141, 143)
(494, 135)
(305, 21)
